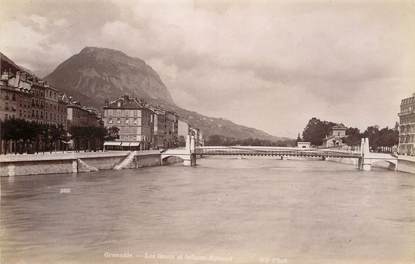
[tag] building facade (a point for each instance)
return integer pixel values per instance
(171, 129)
(55, 111)
(184, 129)
(159, 132)
(303, 144)
(407, 126)
(338, 132)
(15, 98)
(133, 119)
(24, 97)
(79, 116)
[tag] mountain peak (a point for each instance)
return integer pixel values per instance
(91, 49)
(106, 54)
(96, 74)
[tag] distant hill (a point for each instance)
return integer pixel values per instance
(97, 74)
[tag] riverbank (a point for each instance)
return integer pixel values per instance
(74, 162)
(406, 164)
(77, 162)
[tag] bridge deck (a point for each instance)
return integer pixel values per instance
(275, 152)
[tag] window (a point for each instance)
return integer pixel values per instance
(14, 97)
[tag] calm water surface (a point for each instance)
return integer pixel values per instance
(222, 211)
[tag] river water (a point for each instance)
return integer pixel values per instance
(222, 211)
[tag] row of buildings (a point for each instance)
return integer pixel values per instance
(23, 96)
(143, 126)
(139, 125)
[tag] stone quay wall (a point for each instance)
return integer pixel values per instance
(147, 160)
(406, 164)
(73, 162)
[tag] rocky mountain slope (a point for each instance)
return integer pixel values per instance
(97, 74)
(7, 64)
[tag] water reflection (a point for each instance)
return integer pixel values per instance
(246, 211)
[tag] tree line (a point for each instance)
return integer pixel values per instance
(219, 140)
(21, 136)
(316, 130)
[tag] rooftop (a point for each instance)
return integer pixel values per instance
(126, 102)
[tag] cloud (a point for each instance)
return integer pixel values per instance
(268, 64)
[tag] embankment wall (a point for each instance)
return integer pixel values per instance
(55, 163)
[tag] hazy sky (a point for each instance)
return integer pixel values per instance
(267, 64)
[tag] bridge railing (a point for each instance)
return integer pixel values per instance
(276, 152)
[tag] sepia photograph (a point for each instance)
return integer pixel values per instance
(207, 131)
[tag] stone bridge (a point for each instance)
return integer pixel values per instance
(367, 158)
(187, 154)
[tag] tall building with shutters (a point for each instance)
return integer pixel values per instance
(133, 119)
(407, 126)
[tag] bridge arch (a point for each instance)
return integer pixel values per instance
(392, 164)
(170, 159)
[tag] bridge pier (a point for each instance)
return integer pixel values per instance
(188, 154)
(367, 166)
(190, 160)
(365, 163)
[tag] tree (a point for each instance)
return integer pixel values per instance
(316, 130)
(388, 137)
(372, 132)
(353, 136)
(219, 140)
(112, 133)
(22, 134)
(214, 140)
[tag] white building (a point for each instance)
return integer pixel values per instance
(303, 144)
